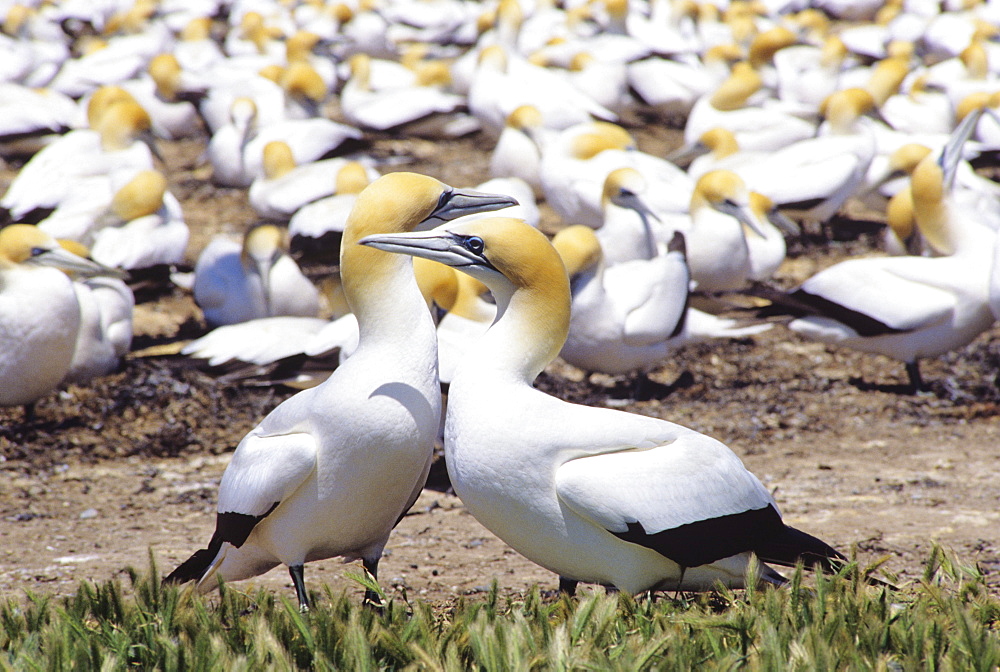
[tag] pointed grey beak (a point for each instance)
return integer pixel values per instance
(685, 154)
(951, 153)
(455, 203)
(147, 138)
(436, 245)
(742, 213)
(783, 223)
(71, 263)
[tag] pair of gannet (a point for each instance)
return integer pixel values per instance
(39, 313)
(593, 494)
(235, 282)
(905, 307)
(330, 471)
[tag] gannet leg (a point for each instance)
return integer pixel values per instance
(567, 586)
(298, 580)
(913, 371)
(372, 598)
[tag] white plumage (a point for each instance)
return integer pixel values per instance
(593, 494)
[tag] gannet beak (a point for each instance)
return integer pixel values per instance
(148, 139)
(438, 245)
(783, 223)
(685, 154)
(455, 203)
(742, 213)
(71, 263)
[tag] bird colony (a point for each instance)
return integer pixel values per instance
(791, 110)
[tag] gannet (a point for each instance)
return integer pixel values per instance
(755, 127)
(717, 249)
(517, 153)
(330, 471)
(236, 282)
(904, 307)
(105, 332)
(118, 142)
(627, 316)
(39, 313)
(311, 224)
(418, 109)
(286, 185)
(631, 229)
(593, 494)
(576, 162)
(144, 226)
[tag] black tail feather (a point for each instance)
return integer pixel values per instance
(794, 546)
(195, 567)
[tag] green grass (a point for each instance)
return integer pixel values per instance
(945, 621)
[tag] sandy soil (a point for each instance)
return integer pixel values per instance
(129, 464)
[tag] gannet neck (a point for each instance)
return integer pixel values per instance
(899, 213)
(528, 281)
(976, 60)
(843, 109)
(361, 68)
(301, 81)
(377, 285)
(578, 247)
(886, 78)
(438, 283)
(468, 302)
(602, 136)
(937, 220)
(197, 29)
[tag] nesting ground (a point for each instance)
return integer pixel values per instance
(130, 463)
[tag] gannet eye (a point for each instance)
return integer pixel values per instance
(35, 251)
(474, 244)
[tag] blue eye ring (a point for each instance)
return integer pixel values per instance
(474, 244)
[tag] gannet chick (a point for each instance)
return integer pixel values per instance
(39, 314)
(904, 307)
(235, 283)
(330, 471)
(593, 494)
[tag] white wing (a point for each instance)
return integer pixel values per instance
(690, 479)
(886, 290)
(266, 470)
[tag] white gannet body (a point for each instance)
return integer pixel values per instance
(755, 127)
(330, 471)
(329, 214)
(286, 186)
(39, 313)
(105, 334)
(625, 317)
(115, 147)
(718, 253)
(576, 163)
(236, 282)
(906, 307)
(593, 494)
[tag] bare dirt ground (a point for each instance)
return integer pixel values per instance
(129, 464)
